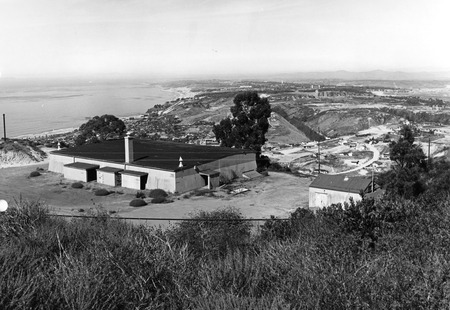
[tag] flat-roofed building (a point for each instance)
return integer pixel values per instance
(148, 164)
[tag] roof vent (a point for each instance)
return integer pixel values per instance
(346, 178)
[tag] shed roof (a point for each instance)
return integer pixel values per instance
(153, 154)
(82, 166)
(135, 173)
(110, 169)
(341, 183)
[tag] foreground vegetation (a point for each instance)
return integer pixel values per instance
(369, 255)
(391, 253)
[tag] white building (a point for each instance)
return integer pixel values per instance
(327, 189)
(146, 164)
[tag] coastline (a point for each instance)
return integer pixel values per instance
(180, 92)
(175, 92)
(50, 133)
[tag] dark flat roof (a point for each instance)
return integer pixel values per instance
(341, 183)
(110, 169)
(82, 166)
(154, 154)
(136, 173)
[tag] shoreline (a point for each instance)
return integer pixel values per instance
(177, 92)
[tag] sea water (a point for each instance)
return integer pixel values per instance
(44, 105)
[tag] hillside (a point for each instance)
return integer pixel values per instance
(19, 153)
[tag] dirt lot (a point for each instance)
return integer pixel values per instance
(277, 194)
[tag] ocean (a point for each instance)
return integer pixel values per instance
(45, 106)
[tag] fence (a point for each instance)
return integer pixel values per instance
(167, 222)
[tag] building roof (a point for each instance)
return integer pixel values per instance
(153, 154)
(110, 169)
(341, 183)
(82, 166)
(135, 173)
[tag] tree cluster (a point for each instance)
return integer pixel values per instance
(100, 128)
(248, 125)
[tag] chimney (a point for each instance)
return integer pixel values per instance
(129, 154)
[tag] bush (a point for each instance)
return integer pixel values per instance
(213, 233)
(101, 192)
(77, 185)
(156, 193)
(159, 200)
(34, 174)
(140, 194)
(138, 202)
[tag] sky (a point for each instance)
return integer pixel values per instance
(201, 37)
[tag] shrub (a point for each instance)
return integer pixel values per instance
(77, 185)
(156, 193)
(138, 202)
(34, 174)
(213, 233)
(101, 192)
(140, 194)
(159, 200)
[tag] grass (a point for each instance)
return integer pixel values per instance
(105, 263)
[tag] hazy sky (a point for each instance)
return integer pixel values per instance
(183, 37)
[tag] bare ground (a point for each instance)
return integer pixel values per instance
(277, 194)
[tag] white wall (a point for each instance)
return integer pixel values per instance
(188, 180)
(319, 198)
(157, 178)
(229, 167)
(75, 174)
(57, 162)
(131, 181)
(180, 181)
(107, 178)
(232, 166)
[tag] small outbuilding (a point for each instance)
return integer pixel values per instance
(134, 179)
(109, 176)
(81, 171)
(327, 189)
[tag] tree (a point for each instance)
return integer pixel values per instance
(100, 128)
(248, 125)
(407, 177)
(405, 153)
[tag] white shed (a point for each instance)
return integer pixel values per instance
(134, 179)
(327, 189)
(109, 176)
(80, 171)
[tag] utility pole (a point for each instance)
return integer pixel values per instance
(318, 147)
(318, 153)
(4, 127)
(372, 177)
(429, 143)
